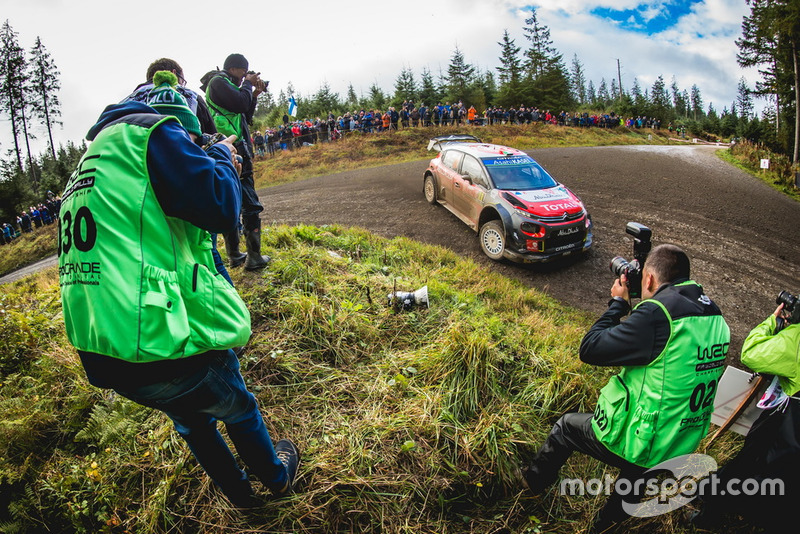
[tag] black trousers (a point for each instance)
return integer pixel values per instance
(573, 432)
(771, 452)
(251, 206)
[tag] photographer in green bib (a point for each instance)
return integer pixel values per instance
(231, 96)
(771, 451)
(672, 350)
(143, 303)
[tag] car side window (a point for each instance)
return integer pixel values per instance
(472, 167)
(451, 159)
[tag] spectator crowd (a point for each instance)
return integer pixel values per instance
(42, 214)
(299, 133)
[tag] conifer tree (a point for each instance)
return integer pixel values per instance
(546, 73)
(428, 93)
(540, 55)
(460, 76)
(578, 78)
(12, 78)
(771, 40)
(603, 97)
(43, 87)
(511, 91)
(696, 103)
(352, 98)
(660, 107)
(405, 87)
(744, 101)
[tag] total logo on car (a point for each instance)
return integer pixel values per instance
(519, 211)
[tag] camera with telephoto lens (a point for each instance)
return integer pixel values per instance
(790, 306)
(633, 269)
(209, 140)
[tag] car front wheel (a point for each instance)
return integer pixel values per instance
(493, 239)
(430, 189)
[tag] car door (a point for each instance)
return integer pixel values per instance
(469, 189)
(448, 173)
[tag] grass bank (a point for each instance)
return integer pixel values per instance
(748, 157)
(371, 150)
(28, 248)
(408, 422)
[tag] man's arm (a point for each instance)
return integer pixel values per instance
(190, 184)
(637, 341)
(764, 351)
(230, 98)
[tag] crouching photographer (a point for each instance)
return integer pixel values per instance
(771, 449)
(673, 343)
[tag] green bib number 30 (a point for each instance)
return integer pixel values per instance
(82, 232)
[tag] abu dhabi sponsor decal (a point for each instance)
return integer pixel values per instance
(544, 195)
(568, 231)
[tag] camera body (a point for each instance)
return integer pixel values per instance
(633, 269)
(208, 140)
(789, 302)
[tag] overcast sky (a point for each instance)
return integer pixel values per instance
(103, 48)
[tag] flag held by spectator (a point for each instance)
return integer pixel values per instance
(292, 107)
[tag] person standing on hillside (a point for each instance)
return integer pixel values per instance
(196, 104)
(673, 345)
(136, 272)
(231, 95)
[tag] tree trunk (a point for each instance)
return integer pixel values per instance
(34, 179)
(796, 106)
(15, 132)
(47, 115)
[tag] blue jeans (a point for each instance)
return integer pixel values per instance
(196, 402)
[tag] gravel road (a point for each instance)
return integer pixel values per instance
(742, 237)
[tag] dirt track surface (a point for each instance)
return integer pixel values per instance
(742, 237)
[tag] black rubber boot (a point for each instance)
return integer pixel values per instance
(255, 260)
(235, 258)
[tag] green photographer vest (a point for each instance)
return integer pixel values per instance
(136, 284)
(227, 122)
(651, 413)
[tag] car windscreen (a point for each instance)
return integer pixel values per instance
(517, 173)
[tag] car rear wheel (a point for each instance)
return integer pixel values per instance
(493, 239)
(430, 189)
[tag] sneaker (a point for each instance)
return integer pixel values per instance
(287, 453)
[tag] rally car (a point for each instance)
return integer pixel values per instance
(519, 211)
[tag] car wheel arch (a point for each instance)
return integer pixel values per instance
(490, 213)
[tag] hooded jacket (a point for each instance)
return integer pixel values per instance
(192, 188)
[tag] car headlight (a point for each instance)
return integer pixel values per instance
(531, 229)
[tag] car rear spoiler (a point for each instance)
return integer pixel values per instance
(438, 142)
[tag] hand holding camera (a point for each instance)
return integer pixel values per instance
(630, 273)
(208, 141)
(787, 312)
(259, 85)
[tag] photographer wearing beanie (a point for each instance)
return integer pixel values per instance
(136, 272)
(231, 95)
